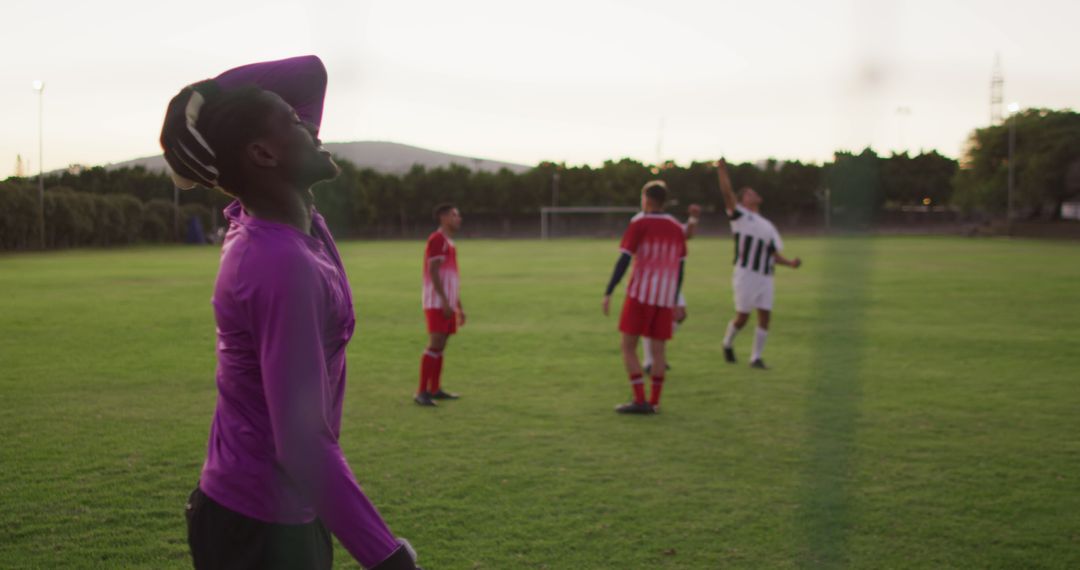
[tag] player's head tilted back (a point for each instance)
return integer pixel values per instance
(447, 216)
(653, 195)
(749, 198)
(255, 141)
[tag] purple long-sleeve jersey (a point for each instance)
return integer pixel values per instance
(284, 317)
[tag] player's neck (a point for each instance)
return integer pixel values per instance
(755, 208)
(285, 206)
(447, 231)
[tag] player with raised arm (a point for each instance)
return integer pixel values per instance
(275, 482)
(757, 251)
(692, 220)
(656, 244)
(441, 302)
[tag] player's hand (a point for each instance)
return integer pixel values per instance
(721, 165)
(447, 312)
(460, 318)
(796, 263)
(694, 210)
(679, 313)
(404, 558)
(607, 304)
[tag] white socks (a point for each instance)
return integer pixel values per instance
(759, 343)
(729, 336)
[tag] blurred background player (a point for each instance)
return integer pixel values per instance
(442, 303)
(275, 482)
(757, 251)
(680, 314)
(656, 243)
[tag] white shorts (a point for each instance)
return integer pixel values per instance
(752, 292)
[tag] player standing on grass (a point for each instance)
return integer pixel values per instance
(690, 227)
(757, 251)
(656, 242)
(441, 301)
(275, 482)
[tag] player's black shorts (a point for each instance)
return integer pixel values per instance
(221, 538)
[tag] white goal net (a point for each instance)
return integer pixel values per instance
(579, 221)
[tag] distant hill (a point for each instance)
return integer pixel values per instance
(385, 157)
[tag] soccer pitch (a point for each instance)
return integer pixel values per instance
(922, 411)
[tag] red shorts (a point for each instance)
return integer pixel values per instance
(437, 323)
(646, 320)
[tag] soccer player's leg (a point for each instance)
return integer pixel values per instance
(631, 325)
(646, 354)
(437, 393)
(764, 313)
(679, 315)
(439, 330)
(744, 304)
(660, 331)
(734, 326)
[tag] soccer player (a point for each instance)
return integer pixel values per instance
(757, 251)
(441, 301)
(690, 227)
(656, 242)
(275, 482)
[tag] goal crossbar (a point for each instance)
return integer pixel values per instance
(546, 211)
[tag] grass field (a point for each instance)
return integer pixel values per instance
(923, 410)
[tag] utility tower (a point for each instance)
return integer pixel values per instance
(997, 87)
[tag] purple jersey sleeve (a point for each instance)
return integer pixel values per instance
(286, 317)
(300, 81)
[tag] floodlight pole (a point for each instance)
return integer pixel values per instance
(555, 189)
(39, 86)
(1012, 175)
(828, 210)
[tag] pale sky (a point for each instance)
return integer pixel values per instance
(579, 82)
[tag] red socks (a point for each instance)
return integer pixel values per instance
(436, 371)
(430, 371)
(638, 385)
(657, 385)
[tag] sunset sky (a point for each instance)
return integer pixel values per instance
(579, 82)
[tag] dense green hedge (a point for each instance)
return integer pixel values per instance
(74, 219)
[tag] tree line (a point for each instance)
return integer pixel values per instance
(100, 207)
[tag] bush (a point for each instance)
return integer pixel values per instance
(18, 216)
(158, 221)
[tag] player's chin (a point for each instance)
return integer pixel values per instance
(319, 167)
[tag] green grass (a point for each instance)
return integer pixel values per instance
(923, 410)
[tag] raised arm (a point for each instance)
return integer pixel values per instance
(300, 81)
(725, 186)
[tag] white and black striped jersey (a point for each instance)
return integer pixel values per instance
(756, 241)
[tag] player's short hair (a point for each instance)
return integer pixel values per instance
(441, 209)
(228, 122)
(656, 191)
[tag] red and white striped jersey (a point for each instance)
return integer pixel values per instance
(441, 247)
(658, 243)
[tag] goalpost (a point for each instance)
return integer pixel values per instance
(548, 215)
